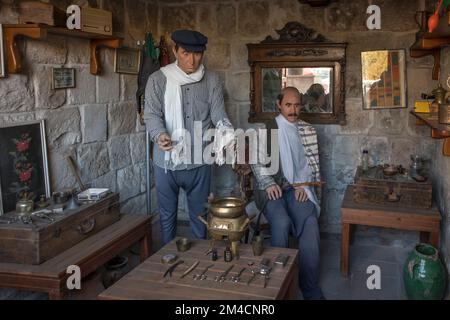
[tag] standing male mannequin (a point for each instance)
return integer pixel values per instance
(177, 96)
(288, 208)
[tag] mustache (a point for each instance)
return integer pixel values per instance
(293, 115)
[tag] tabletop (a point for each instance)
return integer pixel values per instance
(146, 281)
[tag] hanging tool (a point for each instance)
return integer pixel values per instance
(171, 268)
(237, 277)
(190, 269)
(202, 276)
(222, 277)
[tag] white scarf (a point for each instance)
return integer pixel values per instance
(287, 136)
(173, 110)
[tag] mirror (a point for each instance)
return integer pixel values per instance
(314, 84)
(304, 59)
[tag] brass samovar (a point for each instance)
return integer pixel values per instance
(227, 220)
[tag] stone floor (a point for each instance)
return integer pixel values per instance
(363, 253)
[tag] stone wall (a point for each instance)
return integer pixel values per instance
(95, 122)
(390, 135)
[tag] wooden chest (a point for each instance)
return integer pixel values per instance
(373, 187)
(40, 12)
(43, 240)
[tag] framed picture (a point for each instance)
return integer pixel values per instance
(63, 78)
(23, 163)
(384, 79)
(127, 60)
(2, 54)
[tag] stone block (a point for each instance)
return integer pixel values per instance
(136, 205)
(51, 51)
(84, 92)
(46, 97)
(402, 149)
(108, 180)
(239, 86)
(185, 18)
(93, 160)
(253, 17)
(218, 56)
(311, 17)
(61, 176)
(121, 118)
(389, 121)
(358, 120)
(119, 152)
(226, 19)
(282, 11)
(128, 87)
(239, 54)
(17, 94)
(94, 125)
(346, 15)
(108, 83)
(129, 182)
(62, 125)
(395, 15)
(78, 51)
(138, 147)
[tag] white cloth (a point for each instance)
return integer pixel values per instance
(173, 111)
(294, 163)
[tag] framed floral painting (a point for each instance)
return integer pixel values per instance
(23, 164)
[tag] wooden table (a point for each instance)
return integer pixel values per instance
(89, 255)
(427, 221)
(146, 281)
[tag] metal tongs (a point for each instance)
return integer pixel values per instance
(222, 277)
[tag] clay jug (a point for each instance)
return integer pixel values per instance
(424, 274)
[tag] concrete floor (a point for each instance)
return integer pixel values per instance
(389, 258)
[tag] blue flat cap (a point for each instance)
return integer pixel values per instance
(190, 40)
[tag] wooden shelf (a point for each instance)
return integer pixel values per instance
(37, 31)
(432, 43)
(438, 130)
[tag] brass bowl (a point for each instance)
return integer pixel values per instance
(228, 207)
(183, 244)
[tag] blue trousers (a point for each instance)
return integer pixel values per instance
(286, 215)
(196, 183)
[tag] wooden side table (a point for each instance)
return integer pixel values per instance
(427, 221)
(146, 282)
(89, 255)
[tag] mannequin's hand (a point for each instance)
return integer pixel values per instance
(300, 195)
(274, 192)
(164, 142)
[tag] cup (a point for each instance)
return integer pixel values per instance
(183, 244)
(258, 245)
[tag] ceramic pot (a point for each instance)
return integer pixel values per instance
(424, 274)
(114, 270)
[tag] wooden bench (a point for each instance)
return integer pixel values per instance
(89, 255)
(427, 221)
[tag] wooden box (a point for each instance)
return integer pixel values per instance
(40, 12)
(375, 188)
(34, 244)
(96, 21)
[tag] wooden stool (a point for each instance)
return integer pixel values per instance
(427, 221)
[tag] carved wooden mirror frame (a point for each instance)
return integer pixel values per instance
(298, 47)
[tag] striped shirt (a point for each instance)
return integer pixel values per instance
(202, 101)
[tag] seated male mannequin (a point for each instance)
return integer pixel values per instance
(286, 207)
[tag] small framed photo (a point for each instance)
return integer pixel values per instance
(127, 60)
(2, 54)
(63, 78)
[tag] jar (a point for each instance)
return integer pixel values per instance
(24, 207)
(114, 270)
(424, 274)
